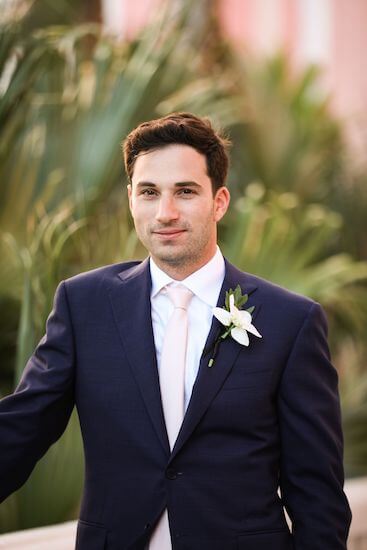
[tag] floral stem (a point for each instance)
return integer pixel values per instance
(211, 360)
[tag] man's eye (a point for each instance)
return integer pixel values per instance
(186, 191)
(148, 192)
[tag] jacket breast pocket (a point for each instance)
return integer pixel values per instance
(90, 536)
(263, 540)
(241, 377)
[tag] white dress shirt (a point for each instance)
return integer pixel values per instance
(205, 284)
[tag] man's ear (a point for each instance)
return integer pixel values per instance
(221, 201)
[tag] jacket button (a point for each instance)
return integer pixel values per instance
(171, 473)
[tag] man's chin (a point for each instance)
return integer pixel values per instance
(170, 255)
(171, 259)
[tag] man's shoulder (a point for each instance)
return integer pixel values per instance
(100, 275)
(274, 294)
(280, 292)
(283, 307)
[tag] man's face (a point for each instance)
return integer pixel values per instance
(174, 210)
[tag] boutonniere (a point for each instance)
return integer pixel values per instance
(237, 322)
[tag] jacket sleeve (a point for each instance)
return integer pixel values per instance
(311, 475)
(37, 413)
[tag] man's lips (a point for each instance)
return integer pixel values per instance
(169, 233)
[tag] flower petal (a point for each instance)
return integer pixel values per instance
(253, 330)
(222, 315)
(240, 336)
(246, 318)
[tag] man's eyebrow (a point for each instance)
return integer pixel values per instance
(187, 184)
(176, 184)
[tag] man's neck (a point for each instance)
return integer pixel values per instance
(181, 272)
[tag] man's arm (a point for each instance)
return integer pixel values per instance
(36, 415)
(311, 476)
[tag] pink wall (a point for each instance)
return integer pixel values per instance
(262, 25)
(348, 64)
(331, 33)
(137, 13)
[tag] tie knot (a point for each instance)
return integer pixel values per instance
(180, 296)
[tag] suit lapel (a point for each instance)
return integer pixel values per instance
(210, 379)
(130, 301)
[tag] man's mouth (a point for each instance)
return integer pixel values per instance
(169, 233)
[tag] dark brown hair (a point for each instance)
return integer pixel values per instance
(185, 129)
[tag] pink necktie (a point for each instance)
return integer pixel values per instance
(172, 383)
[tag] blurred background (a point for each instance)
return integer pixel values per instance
(286, 79)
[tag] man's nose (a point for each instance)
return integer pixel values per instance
(167, 210)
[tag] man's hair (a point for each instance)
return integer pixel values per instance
(184, 129)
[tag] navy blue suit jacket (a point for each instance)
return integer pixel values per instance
(263, 416)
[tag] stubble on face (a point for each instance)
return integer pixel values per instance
(183, 255)
(196, 245)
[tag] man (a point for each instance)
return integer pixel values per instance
(187, 435)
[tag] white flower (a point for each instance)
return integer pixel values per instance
(240, 321)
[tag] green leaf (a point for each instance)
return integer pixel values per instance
(242, 301)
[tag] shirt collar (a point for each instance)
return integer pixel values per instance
(205, 283)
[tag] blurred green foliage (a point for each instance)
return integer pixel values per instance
(68, 95)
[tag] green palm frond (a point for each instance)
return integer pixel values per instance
(289, 243)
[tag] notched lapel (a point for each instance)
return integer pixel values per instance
(210, 379)
(130, 301)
